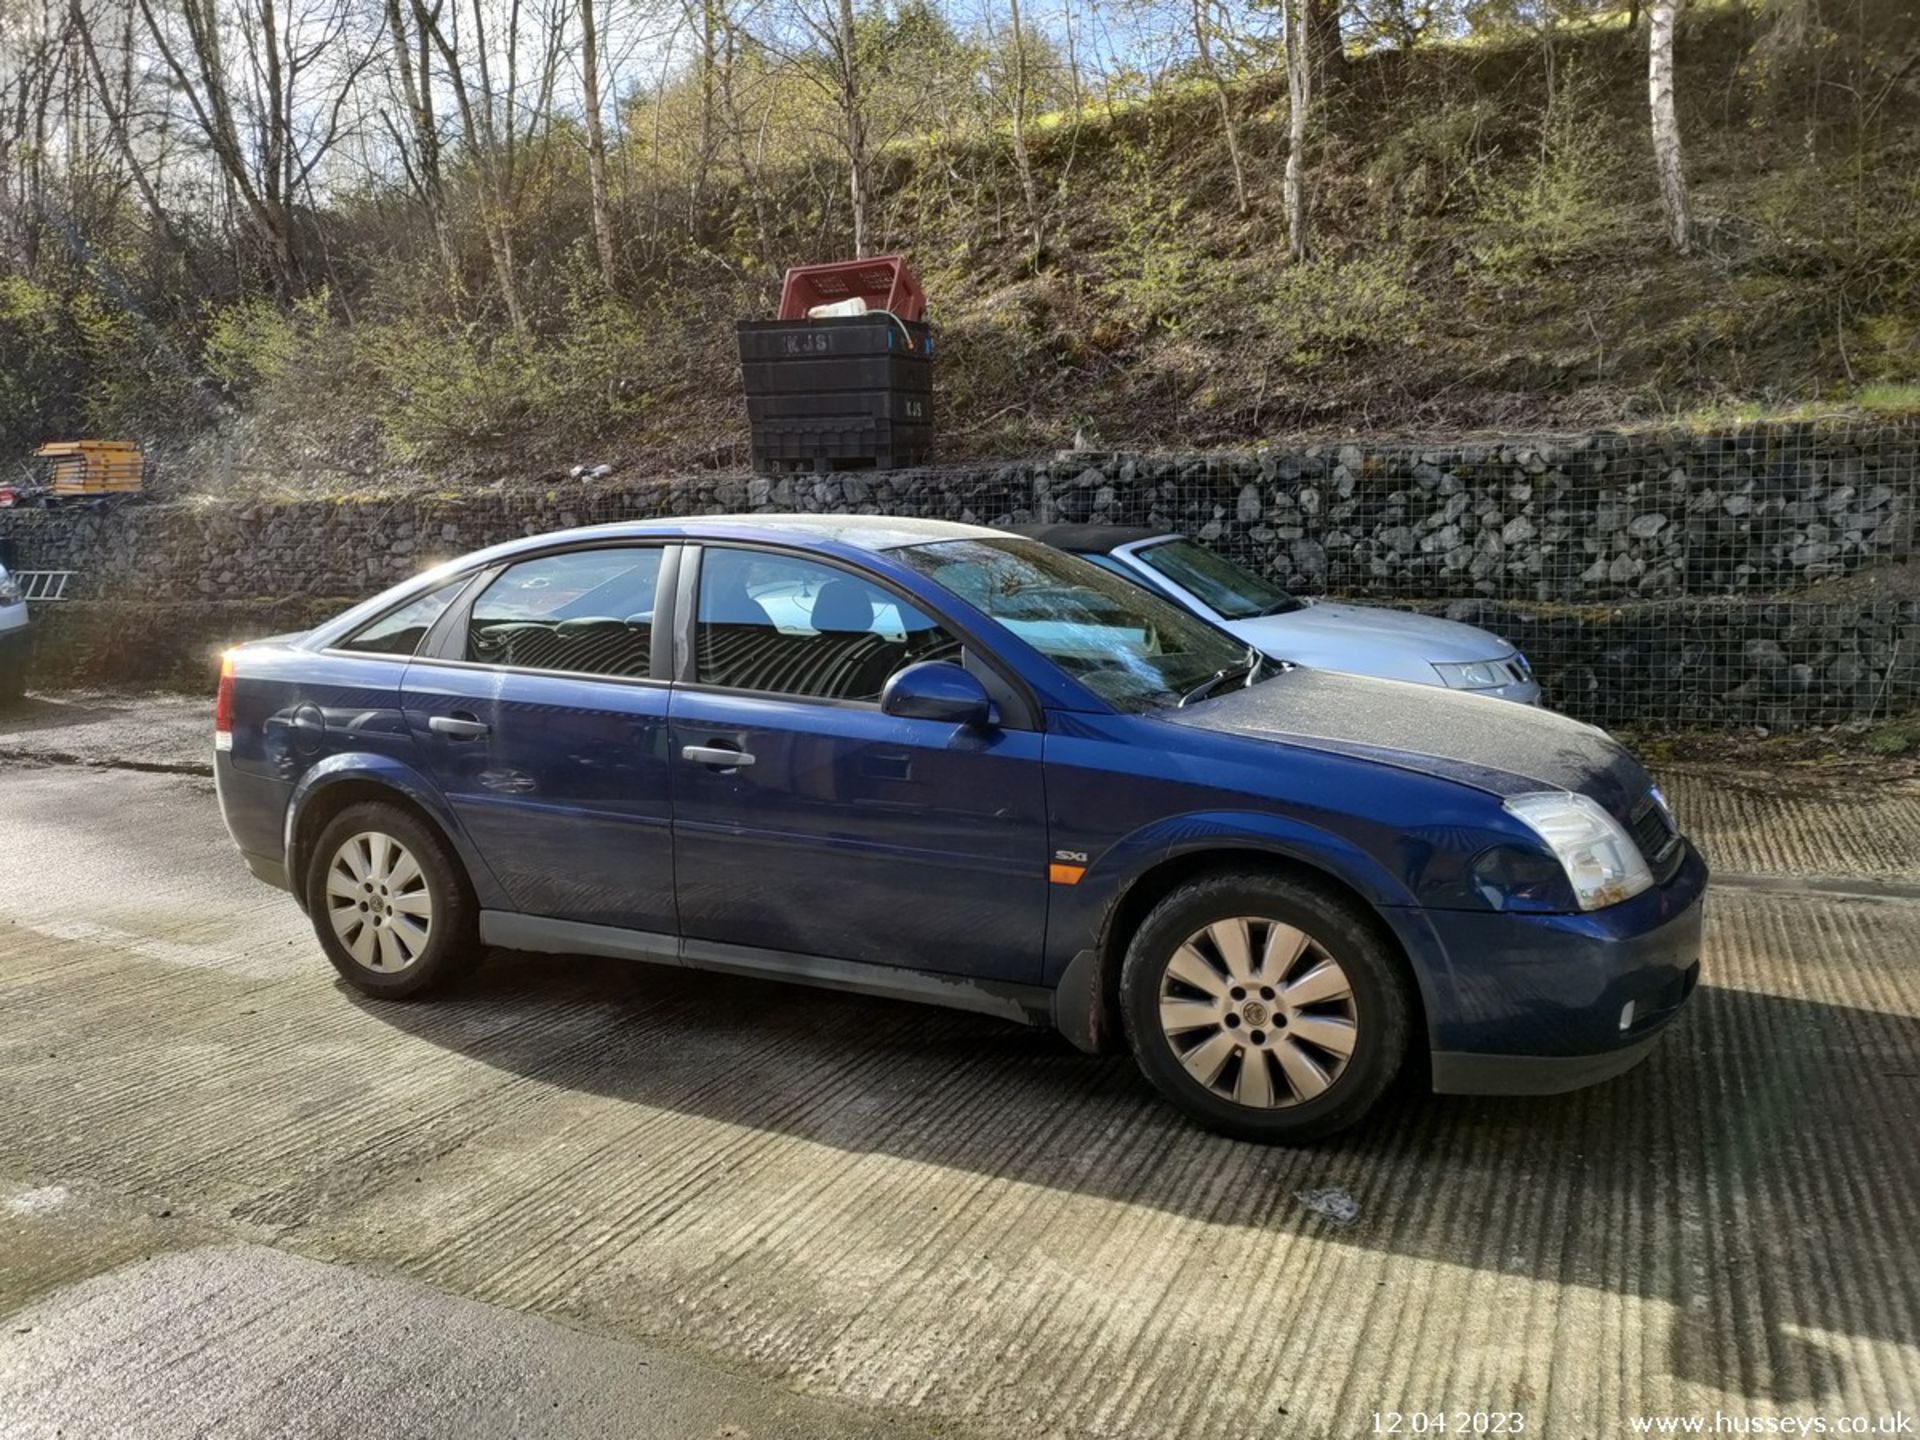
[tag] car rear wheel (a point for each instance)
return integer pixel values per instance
(390, 904)
(1264, 1008)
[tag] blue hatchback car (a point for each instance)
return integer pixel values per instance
(942, 763)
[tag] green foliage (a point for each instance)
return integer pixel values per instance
(454, 388)
(79, 364)
(1427, 163)
(1157, 277)
(1570, 200)
(257, 341)
(1338, 307)
(1896, 737)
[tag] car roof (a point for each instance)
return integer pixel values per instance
(1087, 539)
(865, 532)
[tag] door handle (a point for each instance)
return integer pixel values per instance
(723, 757)
(459, 727)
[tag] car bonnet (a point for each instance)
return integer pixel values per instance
(1502, 748)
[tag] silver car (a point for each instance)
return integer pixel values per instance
(1361, 639)
(14, 638)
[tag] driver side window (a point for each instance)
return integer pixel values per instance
(783, 625)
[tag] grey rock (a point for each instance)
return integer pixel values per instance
(1645, 527)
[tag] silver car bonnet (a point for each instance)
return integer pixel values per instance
(1502, 749)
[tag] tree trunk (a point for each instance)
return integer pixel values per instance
(853, 114)
(596, 141)
(1223, 98)
(1299, 37)
(1329, 46)
(1666, 126)
(1021, 163)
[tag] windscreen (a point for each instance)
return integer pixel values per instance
(1225, 586)
(1130, 647)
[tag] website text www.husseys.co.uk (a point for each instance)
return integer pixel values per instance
(1900, 1422)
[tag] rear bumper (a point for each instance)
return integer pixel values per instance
(265, 867)
(255, 809)
(1539, 1004)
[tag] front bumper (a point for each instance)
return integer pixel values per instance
(1538, 1004)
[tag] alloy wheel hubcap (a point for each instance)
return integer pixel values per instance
(378, 902)
(1258, 1012)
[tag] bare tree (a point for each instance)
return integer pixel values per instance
(1201, 13)
(1022, 162)
(1666, 126)
(1300, 59)
(32, 81)
(850, 77)
(492, 116)
(270, 113)
(419, 146)
(115, 97)
(596, 140)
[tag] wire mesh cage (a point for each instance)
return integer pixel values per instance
(1753, 575)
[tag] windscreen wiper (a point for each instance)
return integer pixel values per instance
(1245, 670)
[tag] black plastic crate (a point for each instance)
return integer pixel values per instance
(840, 444)
(909, 407)
(838, 393)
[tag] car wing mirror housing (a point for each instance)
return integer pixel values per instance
(937, 690)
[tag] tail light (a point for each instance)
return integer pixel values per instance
(223, 707)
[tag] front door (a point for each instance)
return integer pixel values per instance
(545, 728)
(807, 821)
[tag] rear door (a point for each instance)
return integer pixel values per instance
(806, 820)
(543, 716)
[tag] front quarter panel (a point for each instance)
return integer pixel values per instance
(1128, 793)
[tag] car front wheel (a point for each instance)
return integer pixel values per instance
(1264, 1008)
(390, 904)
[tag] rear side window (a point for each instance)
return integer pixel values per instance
(587, 612)
(399, 632)
(783, 625)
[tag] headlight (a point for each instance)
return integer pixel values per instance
(9, 590)
(1603, 864)
(1474, 675)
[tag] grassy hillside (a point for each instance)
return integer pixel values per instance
(1488, 253)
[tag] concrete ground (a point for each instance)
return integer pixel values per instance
(578, 1198)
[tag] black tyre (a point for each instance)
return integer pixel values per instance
(390, 903)
(1265, 1008)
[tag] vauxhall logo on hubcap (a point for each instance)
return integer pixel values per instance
(1256, 1013)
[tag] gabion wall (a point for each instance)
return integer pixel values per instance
(1761, 575)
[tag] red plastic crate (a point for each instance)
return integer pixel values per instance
(885, 282)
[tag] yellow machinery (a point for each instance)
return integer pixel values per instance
(90, 471)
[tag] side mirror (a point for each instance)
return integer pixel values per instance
(937, 690)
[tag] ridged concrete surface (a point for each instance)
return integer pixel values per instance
(243, 1340)
(954, 1218)
(1788, 825)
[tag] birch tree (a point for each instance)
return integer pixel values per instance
(596, 140)
(1019, 101)
(1298, 26)
(1666, 126)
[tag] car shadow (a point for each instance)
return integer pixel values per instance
(1758, 1172)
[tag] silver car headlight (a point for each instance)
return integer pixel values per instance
(1603, 864)
(1474, 675)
